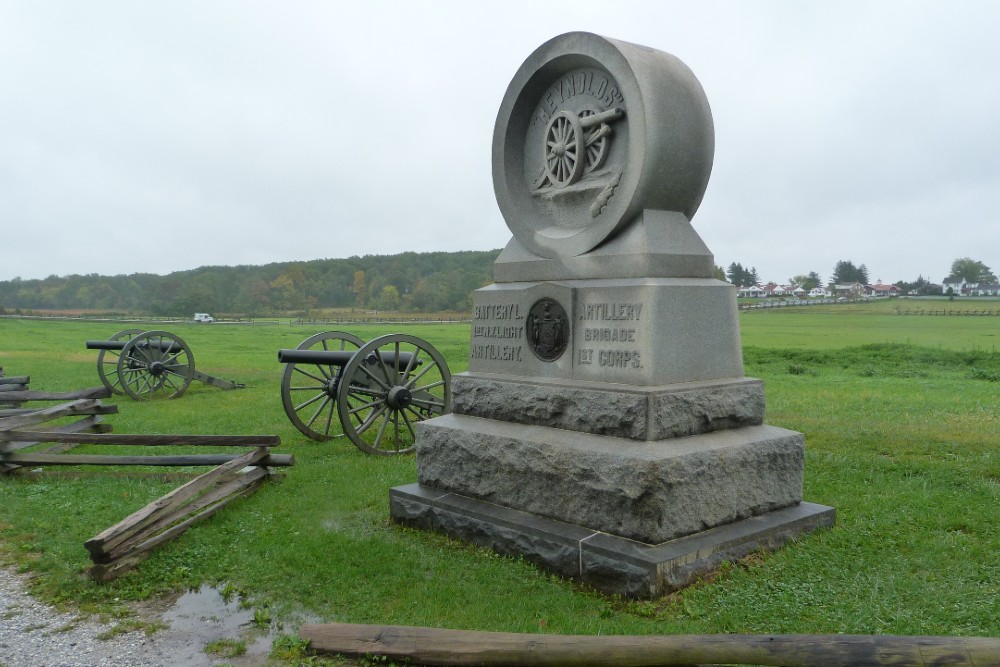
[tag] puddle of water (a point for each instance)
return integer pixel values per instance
(203, 616)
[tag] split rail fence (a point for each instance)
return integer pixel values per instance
(121, 547)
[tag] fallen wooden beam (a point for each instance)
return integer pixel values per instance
(432, 646)
(121, 547)
(140, 520)
(121, 561)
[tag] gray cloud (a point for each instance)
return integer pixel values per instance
(142, 137)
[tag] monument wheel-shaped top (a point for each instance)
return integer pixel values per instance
(591, 132)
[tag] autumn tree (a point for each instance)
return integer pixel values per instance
(358, 287)
(388, 298)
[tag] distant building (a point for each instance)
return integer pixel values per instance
(751, 292)
(983, 289)
(956, 285)
(850, 290)
(878, 289)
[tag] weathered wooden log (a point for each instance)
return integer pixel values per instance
(29, 395)
(14, 379)
(12, 387)
(43, 459)
(141, 519)
(432, 646)
(73, 408)
(11, 441)
(138, 549)
(165, 524)
(154, 440)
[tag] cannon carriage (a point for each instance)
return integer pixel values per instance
(376, 391)
(149, 365)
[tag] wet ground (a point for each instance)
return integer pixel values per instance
(33, 634)
(198, 618)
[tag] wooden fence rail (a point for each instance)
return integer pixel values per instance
(433, 646)
(121, 547)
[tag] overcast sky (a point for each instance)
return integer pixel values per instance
(145, 137)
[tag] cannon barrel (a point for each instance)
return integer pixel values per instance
(325, 357)
(339, 357)
(596, 119)
(163, 346)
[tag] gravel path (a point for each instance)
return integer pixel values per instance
(35, 635)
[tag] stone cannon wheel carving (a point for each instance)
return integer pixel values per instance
(591, 132)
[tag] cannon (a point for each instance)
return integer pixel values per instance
(377, 390)
(575, 145)
(149, 364)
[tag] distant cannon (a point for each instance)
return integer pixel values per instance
(149, 364)
(378, 390)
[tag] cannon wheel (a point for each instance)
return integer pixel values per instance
(107, 361)
(564, 149)
(383, 393)
(308, 391)
(155, 364)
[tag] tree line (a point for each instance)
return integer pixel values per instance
(412, 282)
(845, 272)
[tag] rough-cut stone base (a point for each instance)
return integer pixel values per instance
(614, 565)
(646, 491)
(638, 413)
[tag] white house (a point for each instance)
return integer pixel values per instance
(957, 285)
(983, 289)
(819, 291)
(750, 292)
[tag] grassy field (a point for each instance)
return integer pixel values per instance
(900, 413)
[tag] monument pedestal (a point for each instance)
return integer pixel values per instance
(634, 491)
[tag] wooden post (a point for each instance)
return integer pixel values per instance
(433, 646)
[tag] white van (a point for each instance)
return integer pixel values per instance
(203, 317)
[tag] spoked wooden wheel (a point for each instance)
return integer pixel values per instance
(309, 390)
(107, 361)
(155, 364)
(390, 384)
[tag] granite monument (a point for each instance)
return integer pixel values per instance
(605, 428)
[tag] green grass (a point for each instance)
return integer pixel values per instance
(900, 415)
